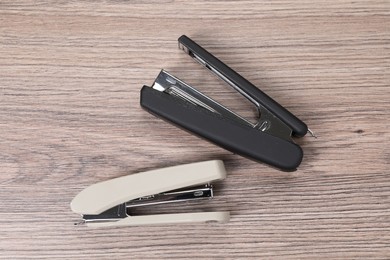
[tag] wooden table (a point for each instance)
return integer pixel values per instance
(70, 76)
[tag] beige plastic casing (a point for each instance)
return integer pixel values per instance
(99, 197)
(207, 217)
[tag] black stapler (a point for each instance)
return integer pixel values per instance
(268, 141)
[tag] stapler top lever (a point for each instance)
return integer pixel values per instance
(110, 203)
(268, 140)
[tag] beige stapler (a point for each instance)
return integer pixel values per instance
(109, 203)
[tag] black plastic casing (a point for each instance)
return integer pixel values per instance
(228, 134)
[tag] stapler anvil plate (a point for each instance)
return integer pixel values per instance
(109, 203)
(269, 140)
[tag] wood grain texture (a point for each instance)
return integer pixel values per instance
(70, 75)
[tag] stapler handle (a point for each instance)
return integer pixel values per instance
(235, 137)
(242, 85)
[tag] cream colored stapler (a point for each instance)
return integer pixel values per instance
(109, 203)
